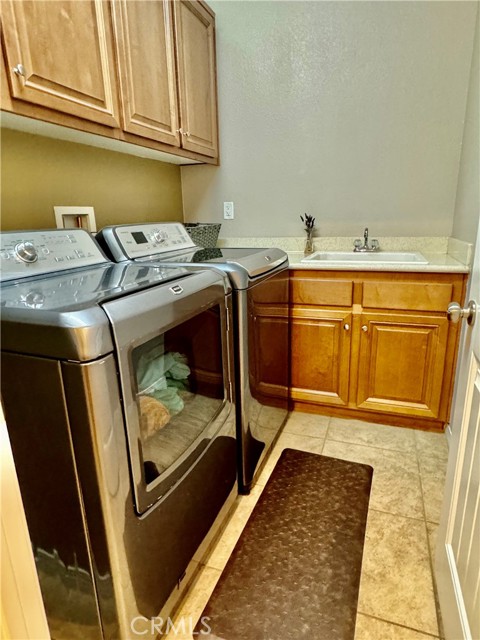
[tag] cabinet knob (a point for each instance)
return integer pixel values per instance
(180, 131)
(455, 312)
(19, 70)
(186, 133)
(346, 327)
(364, 328)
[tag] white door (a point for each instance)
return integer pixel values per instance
(457, 564)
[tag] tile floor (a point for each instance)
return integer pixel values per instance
(397, 599)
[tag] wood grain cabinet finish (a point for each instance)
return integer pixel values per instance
(141, 71)
(146, 55)
(320, 355)
(401, 364)
(60, 55)
(394, 364)
(195, 46)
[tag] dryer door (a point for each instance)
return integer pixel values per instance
(172, 347)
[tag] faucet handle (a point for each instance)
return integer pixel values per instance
(357, 243)
(375, 244)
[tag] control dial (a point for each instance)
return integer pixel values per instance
(33, 299)
(26, 251)
(159, 236)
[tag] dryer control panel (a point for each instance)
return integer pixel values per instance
(29, 253)
(131, 241)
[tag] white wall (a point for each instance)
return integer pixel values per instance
(350, 111)
(467, 204)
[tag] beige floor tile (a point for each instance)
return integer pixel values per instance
(368, 628)
(396, 583)
(374, 435)
(193, 605)
(307, 424)
(396, 482)
(271, 417)
(431, 444)
(432, 474)
(432, 531)
(288, 441)
(432, 454)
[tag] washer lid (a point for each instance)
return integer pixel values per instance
(60, 315)
(243, 265)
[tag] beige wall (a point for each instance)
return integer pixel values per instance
(38, 173)
(467, 204)
(350, 111)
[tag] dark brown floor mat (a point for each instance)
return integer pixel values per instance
(295, 571)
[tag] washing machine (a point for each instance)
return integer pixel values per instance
(117, 391)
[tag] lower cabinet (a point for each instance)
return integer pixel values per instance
(401, 364)
(374, 346)
(320, 356)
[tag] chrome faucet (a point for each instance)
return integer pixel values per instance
(358, 246)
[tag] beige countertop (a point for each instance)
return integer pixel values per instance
(437, 263)
(447, 255)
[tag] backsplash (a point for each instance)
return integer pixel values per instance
(342, 243)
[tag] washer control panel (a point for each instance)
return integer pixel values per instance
(28, 253)
(128, 242)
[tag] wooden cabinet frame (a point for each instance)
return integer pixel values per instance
(397, 320)
(43, 77)
(119, 109)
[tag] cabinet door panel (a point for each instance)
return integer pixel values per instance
(66, 50)
(195, 46)
(320, 357)
(402, 360)
(147, 65)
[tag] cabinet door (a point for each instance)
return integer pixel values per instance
(63, 53)
(144, 35)
(401, 363)
(195, 46)
(320, 356)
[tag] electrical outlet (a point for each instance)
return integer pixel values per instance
(228, 211)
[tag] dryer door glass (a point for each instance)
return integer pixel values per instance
(180, 389)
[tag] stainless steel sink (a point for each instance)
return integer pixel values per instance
(384, 257)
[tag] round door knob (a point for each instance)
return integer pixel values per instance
(19, 70)
(364, 328)
(26, 251)
(455, 313)
(346, 327)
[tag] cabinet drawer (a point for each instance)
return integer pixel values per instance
(331, 293)
(414, 296)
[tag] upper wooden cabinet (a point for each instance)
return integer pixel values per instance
(60, 55)
(142, 71)
(146, 52)
(195, 45)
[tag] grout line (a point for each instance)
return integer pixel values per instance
(327, 430)
(397, 624)
(372, 446)
(430, 552)
(396, 515)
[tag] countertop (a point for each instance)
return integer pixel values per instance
(437, 263)
(444, 254)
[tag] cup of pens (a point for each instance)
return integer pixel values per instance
(309, 222)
